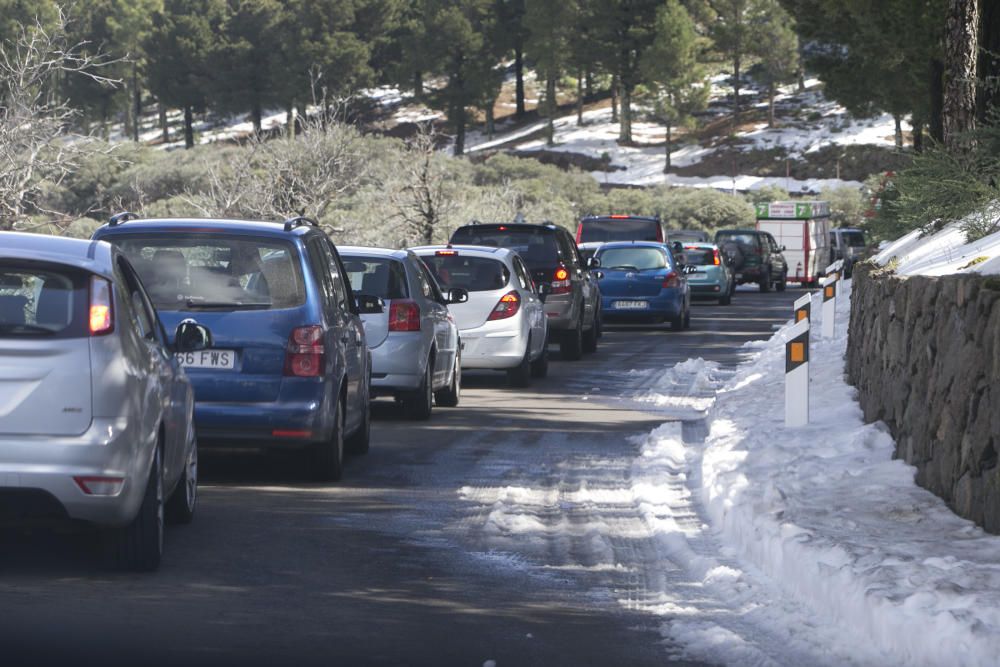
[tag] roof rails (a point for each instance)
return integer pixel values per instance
(122, 217)
(299, 221)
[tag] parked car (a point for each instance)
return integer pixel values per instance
(414, 340)
(503, 323)
(573, 305)
(604, 228)
(97, 413)
(642, 281)
(289, 365)
(710, 275)
(687, 236)
(848, 244)
(756, 257)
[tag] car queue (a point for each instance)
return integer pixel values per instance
(121, 356)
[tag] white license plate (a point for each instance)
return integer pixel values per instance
(219, 359)
(631, 305)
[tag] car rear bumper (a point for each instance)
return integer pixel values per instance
(669, 303)
(302, 419)
(399, 362)
(495, 345)
(560, 311)
(707, 290)
(37, 474)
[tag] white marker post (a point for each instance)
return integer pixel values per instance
(829, 305)
(797, 375)
(803, 308)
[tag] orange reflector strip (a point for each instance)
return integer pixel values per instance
(798, 353)
(800, 315)
(829, 291)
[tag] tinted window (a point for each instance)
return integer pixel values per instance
(699, 256)
(620, 229)
(339, 283)
(36, 301)
(744, 239)
(635, 259)
(537, 247)
(475, 274)
(215, 271)
(854, 239)
(377, 276)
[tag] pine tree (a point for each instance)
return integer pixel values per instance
(732, 31)
(777, 46)
(551, 24)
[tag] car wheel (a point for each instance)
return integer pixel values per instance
(360, 441)
(540, 366)
(520, 375)
(726, 298)
(677, 323)
(139, 545)
(590, 337)
(183, 502)
(782, 283)
(418, 404)
(329, 455)
(765, 281)
(450, 395)
(571, 345)
(687, 318)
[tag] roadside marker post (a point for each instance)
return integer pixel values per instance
(797, 375)
(829, 305)
(803, 308)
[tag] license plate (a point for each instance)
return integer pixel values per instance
(218, 359)
(631, 305)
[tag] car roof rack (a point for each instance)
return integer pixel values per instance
(299, 221)
(122, 217)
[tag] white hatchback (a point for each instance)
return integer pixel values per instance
(503, 324)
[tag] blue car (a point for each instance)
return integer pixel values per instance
(711, 276)
(288, 365)
(641, 281)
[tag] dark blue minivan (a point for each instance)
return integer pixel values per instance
(288, 364)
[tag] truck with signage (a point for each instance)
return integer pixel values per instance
(803, 228)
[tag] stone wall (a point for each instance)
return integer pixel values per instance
(924, 354)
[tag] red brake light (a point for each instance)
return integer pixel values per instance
(619, 217)
(671, 280)
(502, 228)
(100, 486)
(102, 319)
(305, 354)
(507, 306)
(562, 274)
(560, 281)
(404, 315)
(446, 253)
(715, 257)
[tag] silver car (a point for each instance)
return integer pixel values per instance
(503, 324)
(414, 341)
(95, 412)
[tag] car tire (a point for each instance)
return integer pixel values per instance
(450, 396)
(571, 345)
(520, 375)
(138, 547)
(419, 404)
(184, 500)
(540, 366)
(360, 441)
(677, 323)
(765, 282)
(687, 318)
(590, 337)
(782, 283)
(329, 456)
(726, 298)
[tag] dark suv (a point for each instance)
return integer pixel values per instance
(756, 257)
(573, 298)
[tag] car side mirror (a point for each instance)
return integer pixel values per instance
(782, 248)
(369, 305)
(192, 337)
(543, 290)
(457, 295)
(599, 275)
(593, 262)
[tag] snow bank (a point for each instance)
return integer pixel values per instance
(828, 514)
(944, 252)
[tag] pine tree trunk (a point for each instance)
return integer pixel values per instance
(625, 130)
(188, 128)
(579, 98)
(614, 98)
(550, 108)
(736, 90)
(129, 120)
(936, 123)
(918, 137)
(418, 84)
(961, 55)
(519, 82)
(257, 114)
(491, 126)
(136, 102)
(898, 134)
(164, 125)
(290, 120)
(459, 115)
(667, 168)
(588, 85)
(770, 105)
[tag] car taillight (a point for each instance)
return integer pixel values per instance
(102, 319)
(306, 354)
(404, 316)
(507, 306)
(671, 280)
(715, 257)
(560, 281)
(100, 486)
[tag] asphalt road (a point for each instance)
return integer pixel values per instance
(376, 570)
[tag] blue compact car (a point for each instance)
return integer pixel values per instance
(711, 275)
(642, 281)
(289, 365)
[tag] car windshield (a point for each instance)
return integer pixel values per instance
(633, 258)
(376, 276)
(854, 239)
(475, 274)
(618, 229)
(39, 302)
(699, 256)
(216, 271)
(538, 248)
(745, 239)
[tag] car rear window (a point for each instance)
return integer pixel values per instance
(618, 229)
(537, 247)
(699, 256)
(475, 274)
(215, 271)
(41, 301)
(633, 258)
(376, 276)
(746, 239)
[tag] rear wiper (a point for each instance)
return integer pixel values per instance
(25, 328)
(625, 267)
(193, 303)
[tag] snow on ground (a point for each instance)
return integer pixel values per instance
(944, 252)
